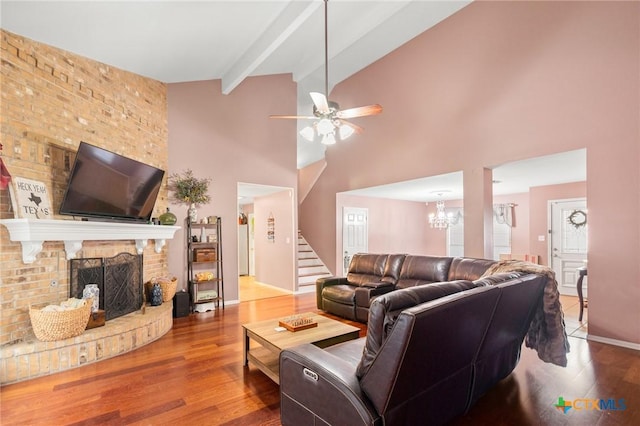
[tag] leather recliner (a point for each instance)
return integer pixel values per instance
(369, 275)
(430, 352)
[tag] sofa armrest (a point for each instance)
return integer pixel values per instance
(380, 284)
(369, 291)
(315, 384)
(326, 282)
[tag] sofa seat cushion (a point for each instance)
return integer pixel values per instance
(350, 351)
(341, 293)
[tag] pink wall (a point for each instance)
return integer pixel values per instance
(308, 176)
(230, 139)
(500, 82)
(276, 259)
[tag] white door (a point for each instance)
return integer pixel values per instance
(354, 233)
(455, 239)
(568, 242)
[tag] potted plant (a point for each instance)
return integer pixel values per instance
(189, 190)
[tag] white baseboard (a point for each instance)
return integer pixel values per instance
(615, 342)
(306, 289)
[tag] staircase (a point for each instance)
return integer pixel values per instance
(310, 267)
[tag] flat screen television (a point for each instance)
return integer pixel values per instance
(107, 186)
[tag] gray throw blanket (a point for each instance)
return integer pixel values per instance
(547, 334)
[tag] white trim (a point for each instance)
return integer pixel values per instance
(306, 289)
(615, 342)
(32, 233)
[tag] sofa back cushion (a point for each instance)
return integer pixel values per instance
(393, 267)
(423, 371)
(419, 270)
(374, 268)
(467, 268)
(385, 309)
(366, 267)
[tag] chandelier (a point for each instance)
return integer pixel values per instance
(440, 219)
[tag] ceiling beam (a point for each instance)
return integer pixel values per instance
(292, 17)
(342, 36)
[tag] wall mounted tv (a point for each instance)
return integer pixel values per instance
(107, 186)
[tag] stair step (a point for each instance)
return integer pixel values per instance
(310, 267)
(310, 279)
(314, 273)
(309, 261)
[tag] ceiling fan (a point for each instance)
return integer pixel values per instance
(328, 115)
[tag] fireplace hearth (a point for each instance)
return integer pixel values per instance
(119, 279)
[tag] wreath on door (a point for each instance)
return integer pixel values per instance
(578, 218)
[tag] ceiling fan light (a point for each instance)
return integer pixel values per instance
(329, 139)
(307, 133)
(345, 131)
(325, 126)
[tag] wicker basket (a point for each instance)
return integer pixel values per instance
(168, 287)
(51, 326)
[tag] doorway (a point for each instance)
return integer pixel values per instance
(355, 234)
(568, 242)
(266, 268)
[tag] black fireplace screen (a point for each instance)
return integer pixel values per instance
(119, 279)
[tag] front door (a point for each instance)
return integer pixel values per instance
(354, 233)
(568, 242)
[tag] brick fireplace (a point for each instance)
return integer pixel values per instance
(72, 98)
(119, 279)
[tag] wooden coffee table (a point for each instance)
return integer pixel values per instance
(272, 342)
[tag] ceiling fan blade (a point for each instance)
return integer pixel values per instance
(320, 101)
(296, 117)
(355, 127)
(360, 111)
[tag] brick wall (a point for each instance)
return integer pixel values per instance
(52, 100)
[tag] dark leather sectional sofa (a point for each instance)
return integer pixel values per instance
(438, 338)
(371, 275)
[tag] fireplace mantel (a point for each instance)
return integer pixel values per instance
(32, 233)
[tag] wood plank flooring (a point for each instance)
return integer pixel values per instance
(194, 375)
(250, 289)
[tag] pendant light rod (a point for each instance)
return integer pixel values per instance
(326, 51)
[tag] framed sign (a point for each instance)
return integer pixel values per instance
(271, 228)
(30, 199)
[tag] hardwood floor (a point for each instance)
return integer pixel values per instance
(250, 289)
(194, 375)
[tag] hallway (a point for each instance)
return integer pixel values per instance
(250, 289)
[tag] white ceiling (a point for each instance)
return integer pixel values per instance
(179, 40)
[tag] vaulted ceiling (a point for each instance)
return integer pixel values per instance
(179, 41)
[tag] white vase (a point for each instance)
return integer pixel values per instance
(193, 213)
(92, 291)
